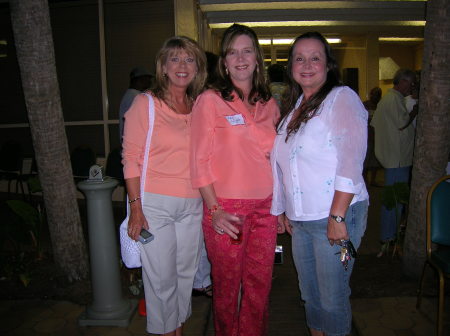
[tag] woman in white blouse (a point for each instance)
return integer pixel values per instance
(317, 163)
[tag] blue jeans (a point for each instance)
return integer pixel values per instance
(324, 283)
(388, 217)
(202, 278)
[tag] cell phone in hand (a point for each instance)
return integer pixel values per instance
(145, 236)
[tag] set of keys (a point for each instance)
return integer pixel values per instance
(347, 252)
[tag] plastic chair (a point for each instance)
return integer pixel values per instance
(82, 158)
(114, 167)
(438, 232)
(32, 179)
(11, 160)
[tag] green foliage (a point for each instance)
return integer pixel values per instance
(13, 232)
(17, 266)
(34, 184)
(395, 194)
(392, 197)
(29, 214)
(25, 278)
(32, 221)
(20, 238)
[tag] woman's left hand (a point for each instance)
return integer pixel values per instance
(283, 224)
(336, 232)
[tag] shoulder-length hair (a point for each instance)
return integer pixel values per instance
(309, 108)
(223, 84)
(171, 47)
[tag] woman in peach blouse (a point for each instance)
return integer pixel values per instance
(232, 135)
(170, 209)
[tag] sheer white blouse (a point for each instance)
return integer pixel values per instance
(325, 154)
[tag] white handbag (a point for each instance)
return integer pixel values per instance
(130, 248)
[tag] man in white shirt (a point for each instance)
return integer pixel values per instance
(394, 143)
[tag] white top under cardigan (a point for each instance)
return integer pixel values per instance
(324, 155)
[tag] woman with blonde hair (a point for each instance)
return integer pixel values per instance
(169, 207)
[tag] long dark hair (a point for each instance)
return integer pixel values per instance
(224, 85)
(309, 108)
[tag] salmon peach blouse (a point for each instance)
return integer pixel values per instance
(230, 147)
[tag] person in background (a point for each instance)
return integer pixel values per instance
(140, 80)
(276, 77)
(211, 66)
(171, 209)
(372, 102)
(412, 105)
(394, 144)
(233, 127)
(371, 164)
(202, 279)
(317, 163)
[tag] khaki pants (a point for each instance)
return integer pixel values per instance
(170, 261)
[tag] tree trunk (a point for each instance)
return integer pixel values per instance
(432, 146)
(35, 53)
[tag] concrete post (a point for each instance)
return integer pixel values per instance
(108, 307)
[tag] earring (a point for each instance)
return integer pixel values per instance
(257, 69)
(164, 75)
(226, 71)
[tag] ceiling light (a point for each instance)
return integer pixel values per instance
(278, 60)
(400, 39)
(334, 40)
(264, 41)
(276, 41)
(318, 23)
(288, 41)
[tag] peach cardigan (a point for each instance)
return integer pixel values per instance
(168, 165)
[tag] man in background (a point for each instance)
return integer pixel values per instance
(140, 80)
(394, 143)
(371, 163)
(277, 86)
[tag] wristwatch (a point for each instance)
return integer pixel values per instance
(338, 219)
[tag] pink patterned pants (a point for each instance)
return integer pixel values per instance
(247, 266)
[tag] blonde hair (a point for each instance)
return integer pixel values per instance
(169, 48)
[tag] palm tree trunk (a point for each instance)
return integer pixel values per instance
(432, 146)
(35, 54)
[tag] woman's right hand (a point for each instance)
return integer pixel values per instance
(222, 222)
(136, 222)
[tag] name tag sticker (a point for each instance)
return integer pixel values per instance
(236, 119)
